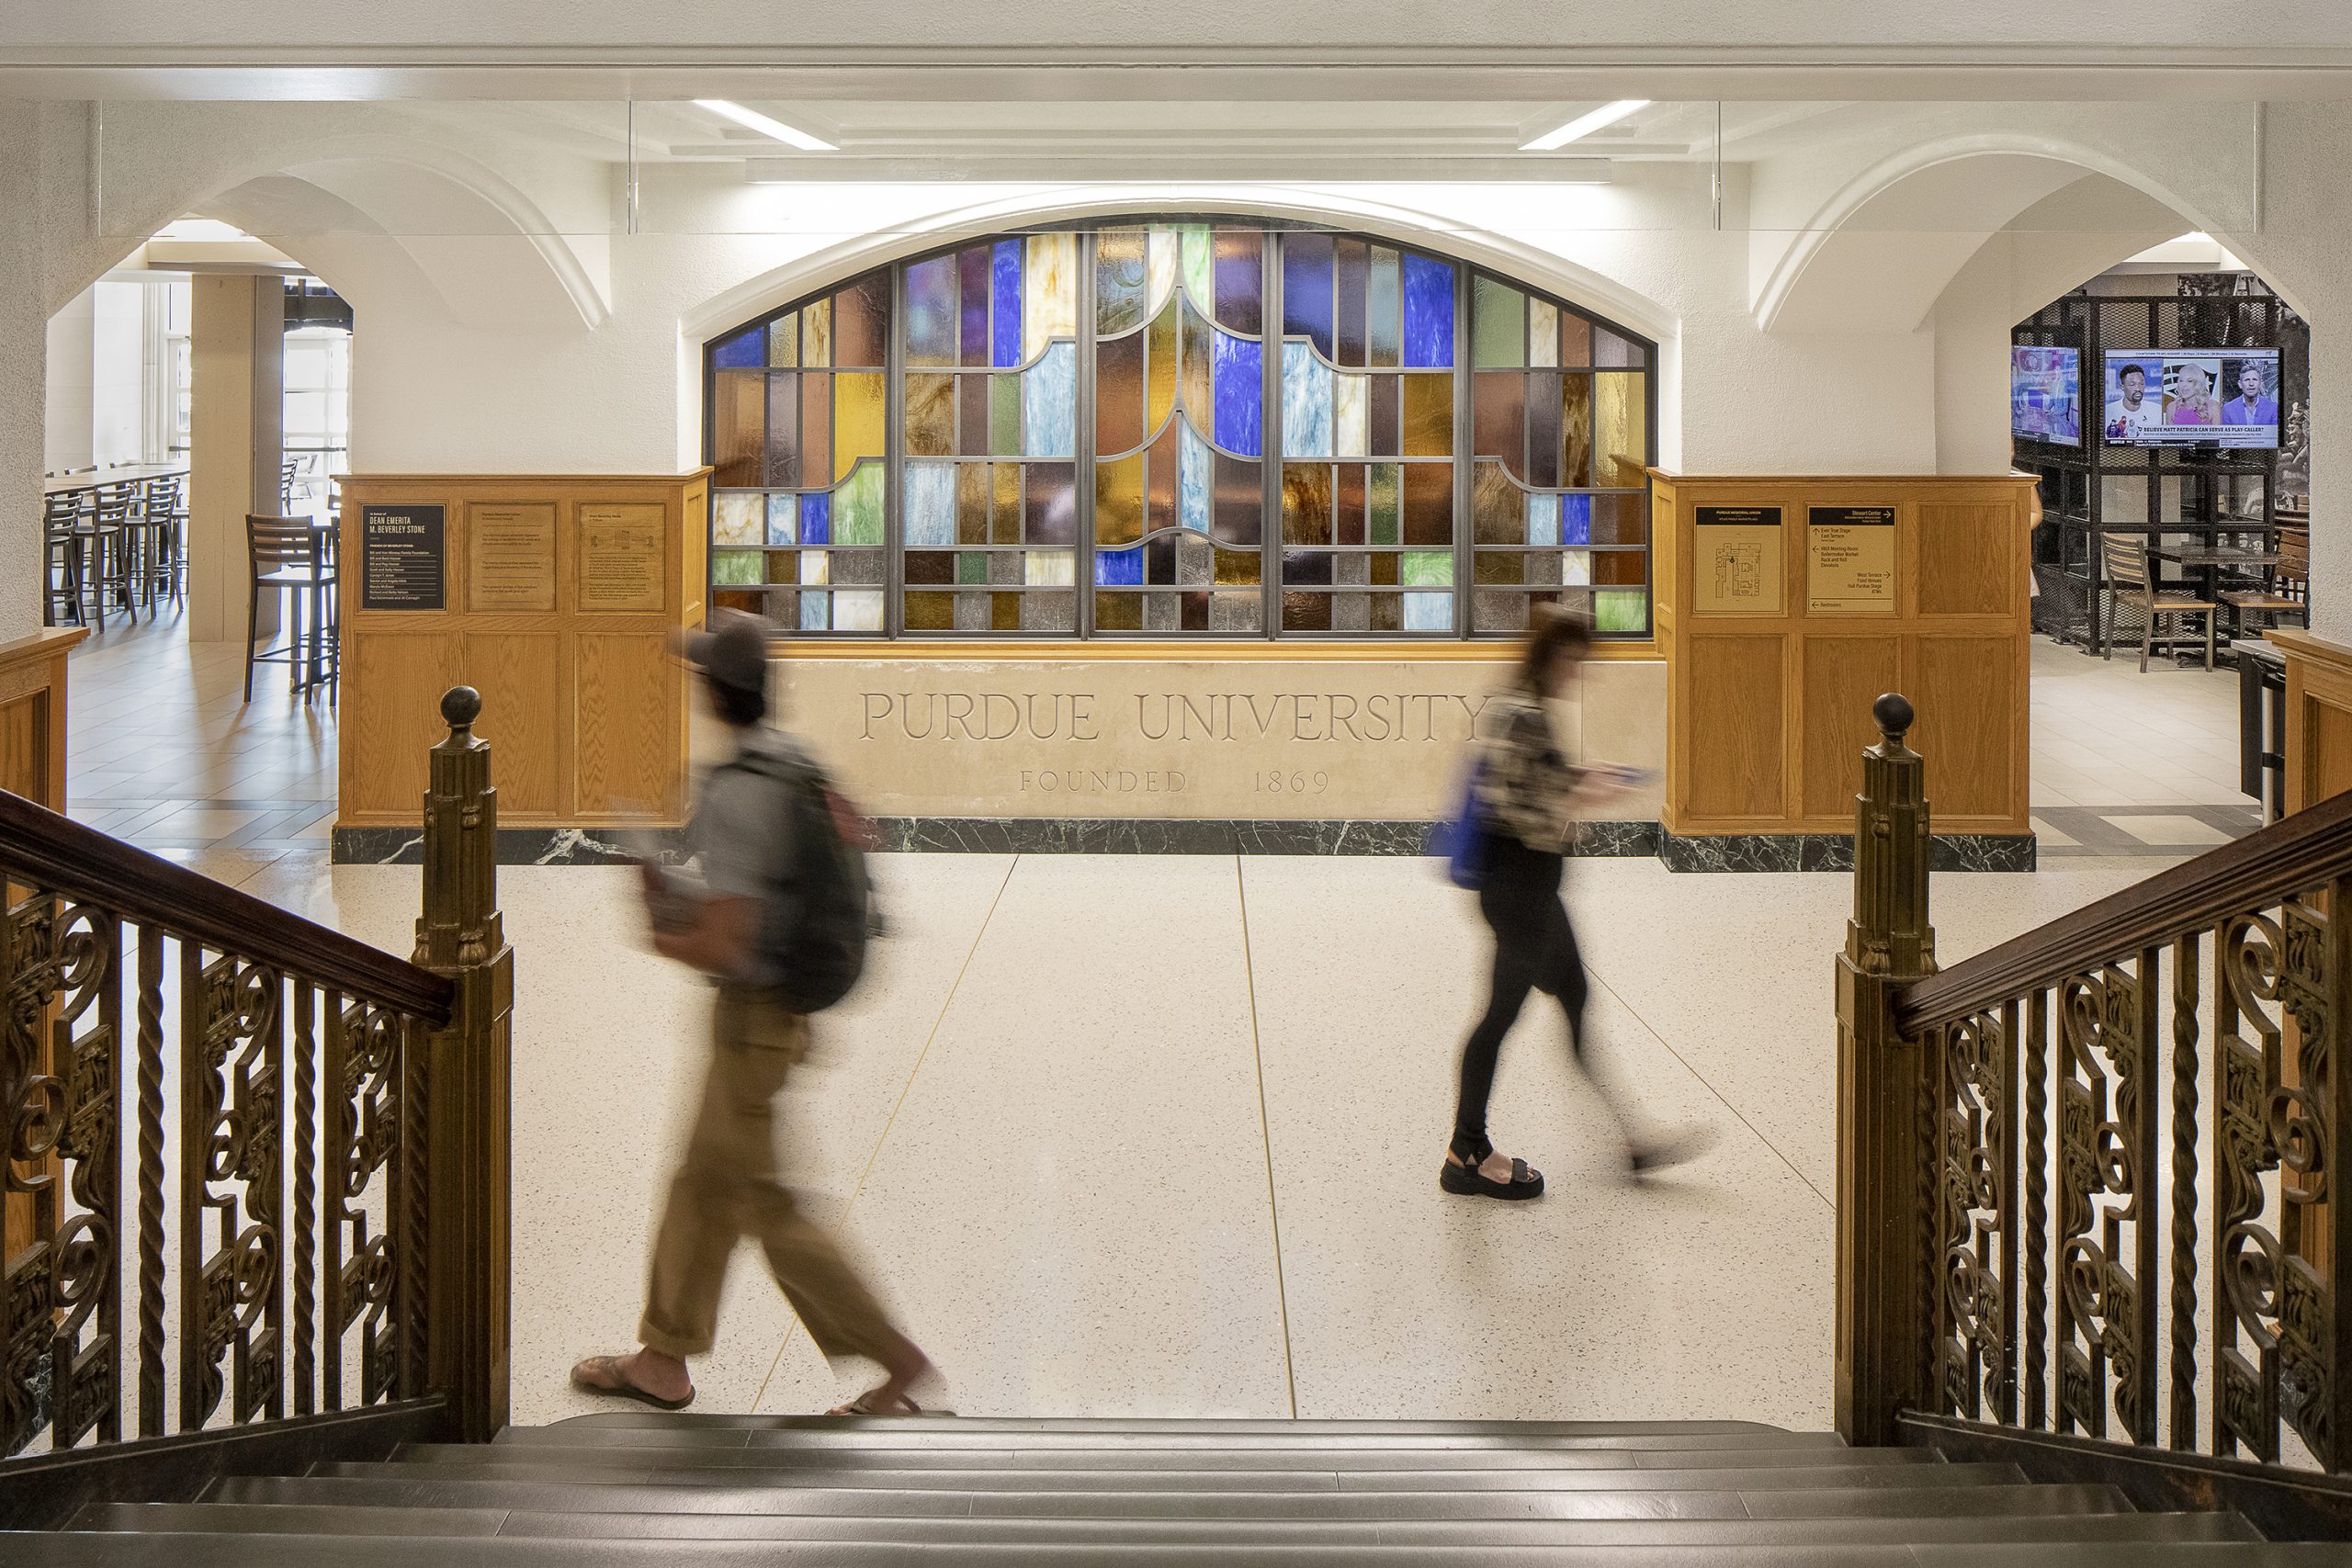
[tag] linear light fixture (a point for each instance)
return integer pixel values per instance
(1585, 125)
(753, 119)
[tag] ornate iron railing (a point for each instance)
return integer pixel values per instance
(2085, 1175)
(275, 1152)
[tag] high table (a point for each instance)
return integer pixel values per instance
(97, 479)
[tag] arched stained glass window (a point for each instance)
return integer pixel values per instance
(1149, 427)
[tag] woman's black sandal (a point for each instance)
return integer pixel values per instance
(1465, 1179)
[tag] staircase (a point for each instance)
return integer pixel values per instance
(646, 1488)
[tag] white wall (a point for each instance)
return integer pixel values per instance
(67, 423)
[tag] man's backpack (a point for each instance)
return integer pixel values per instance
(820, 910)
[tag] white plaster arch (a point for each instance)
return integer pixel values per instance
(451, 211)
(1971, 185)
(1540, 269)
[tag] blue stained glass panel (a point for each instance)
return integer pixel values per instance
(1575, 519)
(1307, 289)
(931, 311)
(744, 351)
(1237, 367)
(1196, 477)
(816, 519)
(1428, 612)
(816, 612)
(1544, 519)
(1119, 568)
(1429, 313)
(1050, 402)
(931, 504)
(1005, 283)
(781, 510)
(1307, 402)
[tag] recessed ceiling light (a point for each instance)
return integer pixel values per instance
(1585, 125)
(753, 119)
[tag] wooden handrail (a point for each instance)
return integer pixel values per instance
(2291, 855)
(62, 856)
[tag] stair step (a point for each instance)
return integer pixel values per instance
(1184, 1426)
(246, 1518)
(1284, 1461)
(1317, 1435)
(1171, 1479)
(395, 1488)
(69, 1549)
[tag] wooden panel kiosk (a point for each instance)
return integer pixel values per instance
(1786, 605)
(555, 596)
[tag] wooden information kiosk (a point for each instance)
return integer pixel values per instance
(1787, 604)
(555, 596)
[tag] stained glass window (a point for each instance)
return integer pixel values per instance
(1162, 427)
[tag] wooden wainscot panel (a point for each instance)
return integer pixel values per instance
(32, 715)
(1738, 718)
(1970, 730)
(2319, 716)
(1969, 558)
(627, 711)
(1880, 582)
(1843, 675)
(521, 677)
(381, 760)
(553, 594)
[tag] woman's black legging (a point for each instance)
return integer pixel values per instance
(1535, 949)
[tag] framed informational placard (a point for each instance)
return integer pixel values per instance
(510, 559)
(621, 556)
(403, 558)
(1849, 560)
(1737, 567)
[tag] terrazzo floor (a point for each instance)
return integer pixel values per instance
(1161, 1135)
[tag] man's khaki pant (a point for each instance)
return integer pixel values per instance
(726, 1187)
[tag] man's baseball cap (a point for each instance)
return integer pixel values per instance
(733, 652)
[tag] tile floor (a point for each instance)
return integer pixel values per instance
(1159, 1134)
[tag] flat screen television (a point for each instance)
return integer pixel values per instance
(2046, 394)
(2191, 397)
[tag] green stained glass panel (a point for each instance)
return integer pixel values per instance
(1621, 610)
(858, 507)
(1198, 266)
(736, 567)
(1428, 568)
(1498, 326)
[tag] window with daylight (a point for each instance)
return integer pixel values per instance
(1206, 428)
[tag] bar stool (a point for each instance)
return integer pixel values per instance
(62, 578)
(166, 566)
(109, 530)
(289, 555)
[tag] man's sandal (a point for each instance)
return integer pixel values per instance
(584, 1378)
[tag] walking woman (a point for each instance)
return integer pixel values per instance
(1527, 795)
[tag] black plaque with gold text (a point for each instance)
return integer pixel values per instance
(403, 558)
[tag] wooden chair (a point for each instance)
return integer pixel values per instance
(287, 556)
(2131, 573)
(2290, 591)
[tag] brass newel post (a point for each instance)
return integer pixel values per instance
(1884, 1267)
(466, 1155)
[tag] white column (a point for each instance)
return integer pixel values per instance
(237, 335)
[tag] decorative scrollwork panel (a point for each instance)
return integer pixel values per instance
(60, 1074)
(362, 1136)
(2107, 1337)
(231, 1070)
(1975, 1235)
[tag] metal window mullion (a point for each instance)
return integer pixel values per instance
(1270, 431)
(1082, 435)
(894, 457)
(1464, 459)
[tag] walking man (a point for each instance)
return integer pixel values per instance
(724, 923)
